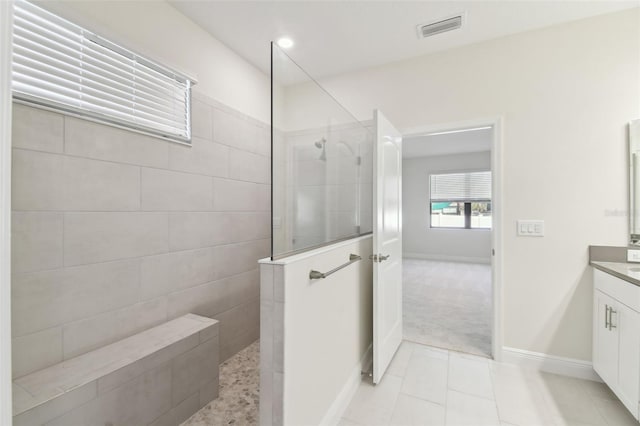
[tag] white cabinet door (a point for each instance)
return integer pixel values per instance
(605, 340)
(625, 321)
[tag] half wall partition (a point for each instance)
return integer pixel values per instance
(322, 159)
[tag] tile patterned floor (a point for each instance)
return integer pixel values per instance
(238, 401)
(428, 386)
(448, 305)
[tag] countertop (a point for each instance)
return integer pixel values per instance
(629, 272)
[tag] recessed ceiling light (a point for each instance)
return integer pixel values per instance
(285, 42)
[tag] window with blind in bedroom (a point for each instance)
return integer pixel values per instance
(460, 200)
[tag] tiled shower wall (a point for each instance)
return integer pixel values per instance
(115, 231)
(317, 201)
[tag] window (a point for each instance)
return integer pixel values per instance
(460, 200)
(57, 64)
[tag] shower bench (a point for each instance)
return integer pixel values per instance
(160, 376)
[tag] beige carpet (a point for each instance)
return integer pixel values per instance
(448, 305)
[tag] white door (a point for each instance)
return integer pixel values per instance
(387, 245)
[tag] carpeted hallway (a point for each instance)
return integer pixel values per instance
(448, 305)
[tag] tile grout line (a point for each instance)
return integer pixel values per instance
(493, 391)
(164, 253)
(62, 325)
(129, 164)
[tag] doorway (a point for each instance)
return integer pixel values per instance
(451, 206)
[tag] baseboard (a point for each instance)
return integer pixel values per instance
(551, 364)
(340, 404)
(464, 259)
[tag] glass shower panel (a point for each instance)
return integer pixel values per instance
(322, 164)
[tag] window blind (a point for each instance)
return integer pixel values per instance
(472, 186)
(62, 65)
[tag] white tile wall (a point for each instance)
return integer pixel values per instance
(171, 272)
(36, 241)
(234, 195)
(96, 331)
(201, 119)
(115, 231)
(100, 237)
(163, 190)
(43, 181)
(36, 129)
(188, 230)
(203, 157)
(86, 139)
(36, 350)
(248, 166)
(55, 297)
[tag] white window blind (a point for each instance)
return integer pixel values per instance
(61, 65)
(472, 186)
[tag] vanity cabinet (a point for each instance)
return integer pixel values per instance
(616, 337)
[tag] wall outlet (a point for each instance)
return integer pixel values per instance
(531, 228)
(633, 255)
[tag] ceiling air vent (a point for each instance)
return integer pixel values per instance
(427, 30)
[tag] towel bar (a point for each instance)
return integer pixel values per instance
(316, 275)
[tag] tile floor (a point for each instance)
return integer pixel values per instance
(434, 295)
(430, 386)
(237, 403)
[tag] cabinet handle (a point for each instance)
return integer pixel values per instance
(606, 316)
(611, 312)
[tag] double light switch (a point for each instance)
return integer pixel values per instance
(531, 228)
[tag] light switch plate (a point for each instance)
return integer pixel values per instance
(633, 255)
(531, 228)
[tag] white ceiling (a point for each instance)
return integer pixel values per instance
(445, 144)
(333, 37)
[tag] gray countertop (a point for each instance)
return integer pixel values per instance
(629, 272)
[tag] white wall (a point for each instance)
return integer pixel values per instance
(565, 93)
(157, 30)
(320, 317)
(314, 334)
(419, 240)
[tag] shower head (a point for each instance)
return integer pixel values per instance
(322, 144)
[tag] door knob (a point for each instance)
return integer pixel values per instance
(378, 257)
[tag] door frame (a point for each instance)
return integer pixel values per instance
(6, 25)
(497, 260)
